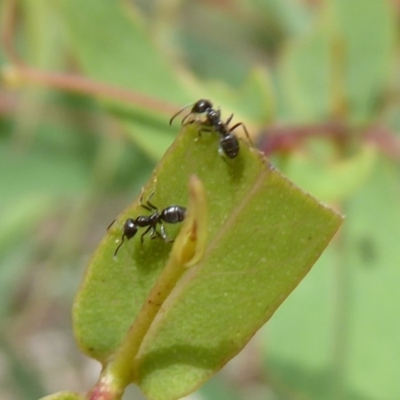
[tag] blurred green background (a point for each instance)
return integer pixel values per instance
(87, 90)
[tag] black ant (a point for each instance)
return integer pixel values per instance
(228, 142)
(171, 215)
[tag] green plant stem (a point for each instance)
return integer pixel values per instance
(118, 373)
(122, 364)
(187, 249)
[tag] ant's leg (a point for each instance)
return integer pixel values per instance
(152, 230)
(222, 154)
(153, 207)
(141, 202)
(144, 233)
(164, 235)
(155, 234)
(229, 120)
(203, 129)
(192, 121)
(112, 223)
(148, 206)
(188, 119)
(141, 195)
(244, 128)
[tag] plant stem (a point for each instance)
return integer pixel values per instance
(188, 249)
(81, 85)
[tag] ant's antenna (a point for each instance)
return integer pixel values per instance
(122, 241)
(182, 109)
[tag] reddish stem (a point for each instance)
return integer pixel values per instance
(69, 82)
(82, 85)
(287, 138)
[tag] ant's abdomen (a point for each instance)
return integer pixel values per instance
(229, 145)
(173, 214)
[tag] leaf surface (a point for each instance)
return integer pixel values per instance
(263, 234)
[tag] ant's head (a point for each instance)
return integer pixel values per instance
(201, 106)
(130, 229)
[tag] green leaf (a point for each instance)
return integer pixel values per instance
(342, 65)
(366, 33)
(254, 101)
(328, 177)
(305, 76)
(24, 380)
(372, 259)
(291, 18)
(42, 36)
(263, 236)
(123, 56)
(219, 306)
(150, 138)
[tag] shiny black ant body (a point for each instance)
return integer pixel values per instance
(228, 142)
(171, 215)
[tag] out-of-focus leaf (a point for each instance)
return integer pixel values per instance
(329, 179)
(152, 139)
(256, 97)
(342, 64)
(305, 336)
(373, 260)
(217, 44)
(41, 48)
(305, 76)
(17, 218)
(123, 55)
(292, 18)
(298, 340)
(19, 372)
(264, 235)
(60, 163)
(253, 102)
(17, 223)
(43, 34)
(365, 33)
(392, 119)
(49, 163)
(217, 389)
